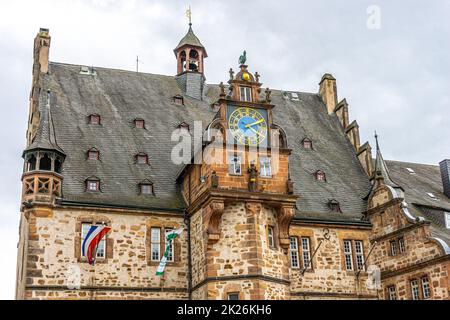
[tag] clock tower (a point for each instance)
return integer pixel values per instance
(240, 198)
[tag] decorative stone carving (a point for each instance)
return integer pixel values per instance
(253, 208)
(285, 216)
(213, 214)
(214, 180)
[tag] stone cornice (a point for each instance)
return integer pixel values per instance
(416, 266)
(241, 277)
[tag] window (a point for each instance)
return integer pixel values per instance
(359, 253)
(246, 93)
(155, 245)
(265, 169)
(141, 158)
(94, 119)
(93, 154)
(415, 290)
(93, 185)
(306, 253)
(391, 293)
(294, 252)
(139, 123)
(101, 248)
(393, 248)
(233, 296)
(235, 165)
(447, 220)
(348, 255)
(426, 293)
(146, 188)
(270, 237)
(307, 144)
(320, 176)
(401, 245)
(170, 256)
(334, 205)
(179, 100)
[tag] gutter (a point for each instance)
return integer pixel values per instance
(75, 203)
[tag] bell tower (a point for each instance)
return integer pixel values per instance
(190, 55)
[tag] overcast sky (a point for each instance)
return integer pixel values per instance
(394, 71)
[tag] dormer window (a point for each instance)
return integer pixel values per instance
(139, 123)
(320, 175)
(146, 188)
(307, 144)
(179, 100)
(93, 154)
(94, 119)
(246, 93)
(334, 205)
(92, 184)
(142, 158)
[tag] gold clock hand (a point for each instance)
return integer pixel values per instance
(254, 123)
(255, 131)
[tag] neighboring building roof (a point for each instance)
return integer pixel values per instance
(121, 96)
(417, 186)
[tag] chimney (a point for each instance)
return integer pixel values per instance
(445, 175)
(328, 91)
(41, 51)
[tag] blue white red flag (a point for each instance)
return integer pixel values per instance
(91, 241)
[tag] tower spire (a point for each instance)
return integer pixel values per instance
(381, 169)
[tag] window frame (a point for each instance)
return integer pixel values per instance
(230, 294)
(294, 252)
(140, 121)
(393, 247)
(266, 160)
(348, 255)
(428, 285)
(155, 243)
(401, 245)
(146, 184)
(95, 116)
(271, 236)
(320, 173)
(305, 142)
(415, 289)
(391, 294)
(142, 156)
(247, 93)
(360, 263)
(306, 253)
(171, 249)
(93, 151)
(88, 185)
(232, 165)
(83, 233)
(447, 219)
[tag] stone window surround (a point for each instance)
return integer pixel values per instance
(397, 242)
(354, 262)
(176, 245)
(387, 291)
(418, 277)
(274, 237)
(92, 219)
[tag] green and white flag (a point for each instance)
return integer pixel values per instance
(170, 236)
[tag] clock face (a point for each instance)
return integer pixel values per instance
(248, 126)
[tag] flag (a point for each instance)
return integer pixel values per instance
(170, 236)
(91, 241)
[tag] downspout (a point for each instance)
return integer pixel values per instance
(187, 221)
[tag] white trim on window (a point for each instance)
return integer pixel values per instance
(270, 237)
(245, 93)
(171, 255)
(235, 165)
(447, 220)
(155, 244)
(265, 167)
(348, 255)
(392, 294)
(101, 248)
(415, 289)
(294, 252)
(359, 254)
(306, 253)
(426, 292)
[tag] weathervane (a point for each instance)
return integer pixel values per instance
(189, 15)
(243, 58)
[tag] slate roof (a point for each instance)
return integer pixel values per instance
(190, 39)
(426, 179)
(121, 96)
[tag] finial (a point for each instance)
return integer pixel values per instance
(243, 58)
(268, 93)
(376, 140)
(189, 15)
(257, 76)
(222, 90)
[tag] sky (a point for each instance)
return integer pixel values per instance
(390, 58)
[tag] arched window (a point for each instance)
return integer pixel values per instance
(183, 59)
(32, 163)
(307, 144)
(45, 163)
(279, 137)
(334, 205)
(193, 60)
(320, 175)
